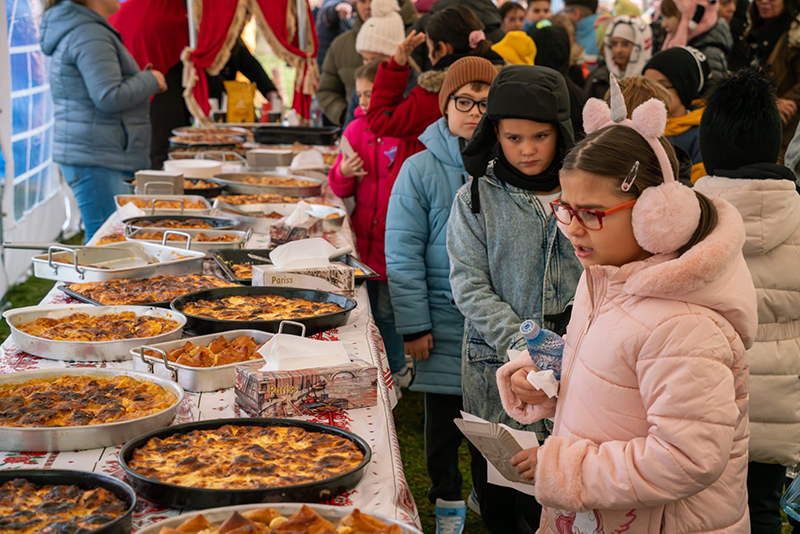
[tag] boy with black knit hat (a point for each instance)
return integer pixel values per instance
(740, 138)
(684, 72)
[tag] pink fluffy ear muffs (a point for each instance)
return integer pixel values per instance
(665, 217)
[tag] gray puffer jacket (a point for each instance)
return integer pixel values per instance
(716, 44)
(100, 97)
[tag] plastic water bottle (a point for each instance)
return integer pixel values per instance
(545, 347)
(315, 111)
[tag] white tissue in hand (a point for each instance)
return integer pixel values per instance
(544, 381)
(306, 253)
(287, 353)
(300, 215)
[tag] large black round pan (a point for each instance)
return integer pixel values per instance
(173, 496)
(314, 325)
(85, 481)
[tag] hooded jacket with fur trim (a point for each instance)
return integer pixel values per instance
(772, 250)
(651, 428)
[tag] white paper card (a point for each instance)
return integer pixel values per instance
(307, 159)
(302, 254)
(129, 210)
(285, 352)
(526, 440)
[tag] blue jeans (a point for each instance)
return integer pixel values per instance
(94, 189)
(383, 315)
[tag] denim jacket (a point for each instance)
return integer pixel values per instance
(508, 263)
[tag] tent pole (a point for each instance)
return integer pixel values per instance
(302, 11)
(192, 28)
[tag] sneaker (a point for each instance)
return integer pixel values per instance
(450, 516)
(472, 502)
(403, 378)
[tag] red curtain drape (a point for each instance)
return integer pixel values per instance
(221, 23)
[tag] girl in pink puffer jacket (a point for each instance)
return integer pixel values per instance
(651, 428)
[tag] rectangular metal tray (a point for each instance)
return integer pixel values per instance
(279, 135)
(155, 210)
(233, 183)
(123, 260)
(262, 225)
(54, 439)
(197, 246)
(225, 258)
(194, 378)
(82, 351)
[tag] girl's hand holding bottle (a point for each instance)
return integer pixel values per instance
(408, 45)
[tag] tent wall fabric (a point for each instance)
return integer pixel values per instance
(221, 22)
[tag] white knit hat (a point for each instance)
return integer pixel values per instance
(383, 31)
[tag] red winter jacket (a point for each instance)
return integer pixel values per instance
(393, 115)
(371, 191)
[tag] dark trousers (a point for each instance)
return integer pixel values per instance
(442, 440)
(503, 510)
(167, 112)
(765, 484)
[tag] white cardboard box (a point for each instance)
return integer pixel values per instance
(335, 278)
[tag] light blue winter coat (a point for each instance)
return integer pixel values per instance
(508, 263)
(100, 97)
(417, 264)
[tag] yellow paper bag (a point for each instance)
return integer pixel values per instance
(241, 96)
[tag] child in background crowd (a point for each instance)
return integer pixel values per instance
(683, 71)
(451, 34)
(418, 268)
(575, 71)
(711, 36)
(508, 262)
(516, 48)
(651, 429)
(513, 16)
(627, 49)
(740, 138)
(537, 10)
(584, 14)
(367, 175)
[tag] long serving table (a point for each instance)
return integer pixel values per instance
(383, 489)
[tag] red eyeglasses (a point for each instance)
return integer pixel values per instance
(589, 219)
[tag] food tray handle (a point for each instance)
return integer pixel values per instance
(153, 205)
(223, 153)
(51, 249)
(168, 184)
(170, 368)
(173, 232)
(293, 323)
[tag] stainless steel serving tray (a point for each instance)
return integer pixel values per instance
(54, 439)
(193, 378)
(155, 210)
(262, 225)
(219, 515)
(82, 351)
(190, 243)
(122, 260)
(233, 182)
(216, 223)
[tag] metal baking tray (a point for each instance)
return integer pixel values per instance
(83, 298)
(155, 210)
(76, 438)
(174, 496)
(189, 241)
(229, 131)
(216, 223)
(207, 192)
(261, 225)
(193, 378)
(194, 142)
(85, 481)
(233, 182)
(314, 325)
(110, 262)
(281, 135)
(82, 351)
(331, 513)
(259, 256)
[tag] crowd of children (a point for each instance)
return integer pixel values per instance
(549, 176)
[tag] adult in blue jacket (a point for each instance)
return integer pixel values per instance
(101, 104)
